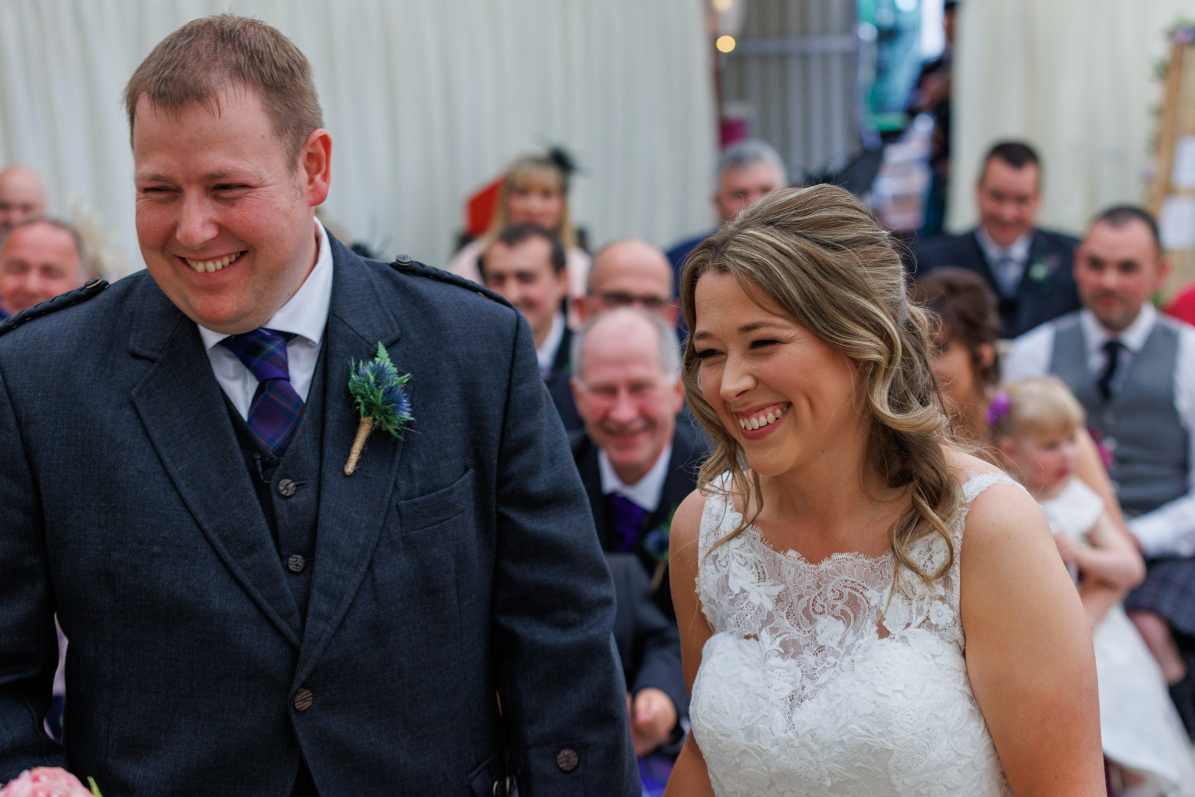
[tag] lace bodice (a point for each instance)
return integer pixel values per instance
(835, 677)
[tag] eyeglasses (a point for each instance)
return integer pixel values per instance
(652, 304)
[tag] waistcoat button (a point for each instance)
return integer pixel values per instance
(295, 563)
(567, 760)
(286, 488)
(303, 700)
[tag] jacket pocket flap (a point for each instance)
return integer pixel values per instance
(430, 509)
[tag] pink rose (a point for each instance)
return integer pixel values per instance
(45, 782)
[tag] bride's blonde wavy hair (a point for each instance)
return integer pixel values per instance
(820, 256)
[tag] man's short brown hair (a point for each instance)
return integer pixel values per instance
(207, 55)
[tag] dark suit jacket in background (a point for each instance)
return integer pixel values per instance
(456, 563)
(1038, 300)
(558, 384)
(648, 642)
(688, 450)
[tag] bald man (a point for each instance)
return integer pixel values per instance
(629, 273)
(21, 197)
(39, 259)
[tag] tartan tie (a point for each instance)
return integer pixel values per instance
(628, 521)
(276, 406)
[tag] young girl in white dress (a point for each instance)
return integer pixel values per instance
(864, 609)
(1035, 422)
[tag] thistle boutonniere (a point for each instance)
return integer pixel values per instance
(1040, 270)
(656, 544)
(376, 386)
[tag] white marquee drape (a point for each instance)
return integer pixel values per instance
(1073, 77)
(425, 101)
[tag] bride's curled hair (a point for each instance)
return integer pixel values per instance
(820, 256)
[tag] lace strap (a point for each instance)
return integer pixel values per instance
(981, 481)
(718, 505)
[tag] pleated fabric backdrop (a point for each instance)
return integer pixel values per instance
(1073, 77)
(426, 101)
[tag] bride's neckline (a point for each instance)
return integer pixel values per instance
(877, 561)
(792, 553)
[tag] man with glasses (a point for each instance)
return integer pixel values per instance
(629, 272)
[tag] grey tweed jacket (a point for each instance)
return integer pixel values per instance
(457, 567)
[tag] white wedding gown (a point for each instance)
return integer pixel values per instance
(829, 678)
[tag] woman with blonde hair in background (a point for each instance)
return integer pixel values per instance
(864, 609)
(535, 190)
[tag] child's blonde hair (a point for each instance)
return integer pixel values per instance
(1036, 406)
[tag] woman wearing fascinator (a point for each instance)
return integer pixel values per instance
(864, 608)
(534, 189)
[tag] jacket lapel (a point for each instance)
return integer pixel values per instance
(352, 508)
(182, 408)
(981, 257)
(591, 478)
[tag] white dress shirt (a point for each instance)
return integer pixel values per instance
(305, 315)
(1169, 530)
(1007, 262)
(546, 351)
(647, 491)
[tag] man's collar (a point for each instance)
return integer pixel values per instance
(306, 313)
(1133, 337)
(546, 352)
(1018, 250)
(647, 491)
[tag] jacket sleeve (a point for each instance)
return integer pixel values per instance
(28, 641)
(658, 639)
(560, 684)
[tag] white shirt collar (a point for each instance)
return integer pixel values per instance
(1018, 250)
(306, 313)
(647, 491)
(1133, 337)
(546, 353)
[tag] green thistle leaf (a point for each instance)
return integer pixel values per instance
(377, 388)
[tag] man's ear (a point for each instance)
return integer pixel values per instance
(673, 313)
(562, 281)
(1164, 266)
(1077, 259)
(678, 395)
(578, 393)
(580, 306)
(315, 166)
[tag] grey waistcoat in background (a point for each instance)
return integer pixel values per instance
(1141, 428)
(288, 491)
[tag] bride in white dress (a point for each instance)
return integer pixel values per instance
(864, 610)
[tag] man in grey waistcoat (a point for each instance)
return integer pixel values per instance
(1133, 370)
(248, 614)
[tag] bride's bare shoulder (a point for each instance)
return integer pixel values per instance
(963, 465)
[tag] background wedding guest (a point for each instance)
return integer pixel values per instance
(39, 259)
(1028, 268)
(21, 196)
(745, 172)
(527, 266)
(966, 363)
(931, 95)
(649, 648)
(534, 191)
(625, 273)
(1133, 370)
(637, 461)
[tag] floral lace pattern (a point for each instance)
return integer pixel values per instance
(837, 677)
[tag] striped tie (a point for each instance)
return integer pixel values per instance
(276, 406)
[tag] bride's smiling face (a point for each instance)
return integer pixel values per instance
(783, 394)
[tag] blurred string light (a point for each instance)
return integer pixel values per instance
(723, 5)
(724, 43)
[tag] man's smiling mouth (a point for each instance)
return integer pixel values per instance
(202, 266)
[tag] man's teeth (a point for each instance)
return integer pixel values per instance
(213, 265)
(771, 416)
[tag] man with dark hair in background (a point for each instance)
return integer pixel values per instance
(247, 615)
(1028, 268)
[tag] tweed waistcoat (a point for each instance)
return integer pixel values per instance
(1139, 424)
(288, 490)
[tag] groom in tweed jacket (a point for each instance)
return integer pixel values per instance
(244, 618)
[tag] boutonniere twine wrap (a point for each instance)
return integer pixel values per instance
(377, 388)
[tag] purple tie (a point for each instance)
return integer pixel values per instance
(628, 521)
(276, 406)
